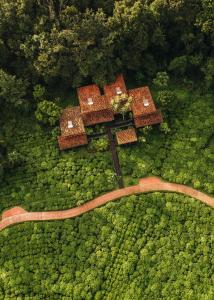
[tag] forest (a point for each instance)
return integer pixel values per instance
(153, 246)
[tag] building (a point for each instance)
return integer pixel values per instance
(72, 129)
(96, 108)
(126, 136)
(143, 108)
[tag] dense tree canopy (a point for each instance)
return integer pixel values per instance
(79, 41)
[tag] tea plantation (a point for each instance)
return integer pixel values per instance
(48, 179)
(155, 246)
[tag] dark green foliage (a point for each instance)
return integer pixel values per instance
(208, 71)
(47, 112)
(12, 91)
(72, 42)
(143, 247)
(179, 65)
(39, 92)
(48, 179)
(14, 158)
(100, 144)
(161, 80)
(167, 100)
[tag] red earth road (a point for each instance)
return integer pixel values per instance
(150, 184)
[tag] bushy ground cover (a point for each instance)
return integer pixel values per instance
(154, 246)
(48, 179)
(186, 154)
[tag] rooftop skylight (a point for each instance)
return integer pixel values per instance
(145, 102)
(90, 101)
(70, 124)
(118, 90)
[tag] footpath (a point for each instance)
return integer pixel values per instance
(150, 184)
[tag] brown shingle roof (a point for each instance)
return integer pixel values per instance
(126, 136)
(95, 104)
(101, 116)
(71, 141)
(154, 118)
(110, 90)
(141, 95)
(86, 92)
(71, 117)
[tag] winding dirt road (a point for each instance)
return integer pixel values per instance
(150, 184)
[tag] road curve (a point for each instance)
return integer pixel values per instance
(150, 184)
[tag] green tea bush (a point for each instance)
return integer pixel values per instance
(99, 145)
(140, 247)
(49, 179)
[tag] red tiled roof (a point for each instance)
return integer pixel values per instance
(140, 95)
(88, 91)
(154, 118)
(126, 136)
(101, 116)
(71, 115)
(95, 104)
(110, 90)
(67, 142)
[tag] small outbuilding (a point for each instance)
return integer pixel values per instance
(126, 136)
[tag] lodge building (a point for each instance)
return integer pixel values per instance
(95, 108)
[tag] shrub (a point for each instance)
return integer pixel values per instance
(121, 103)
(48, 112)
(39, 92)
(14, 158)
(179, 65)
(12, 90)
(164, 127)
(161, 80)
(208, 71)
(100, 144)
(166, 99)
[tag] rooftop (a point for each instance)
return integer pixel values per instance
(126, 136)
(94, 104)
(143, 103)
(115, 88)
(71, 122)
(87, 95)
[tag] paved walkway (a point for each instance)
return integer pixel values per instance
(150, 184)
